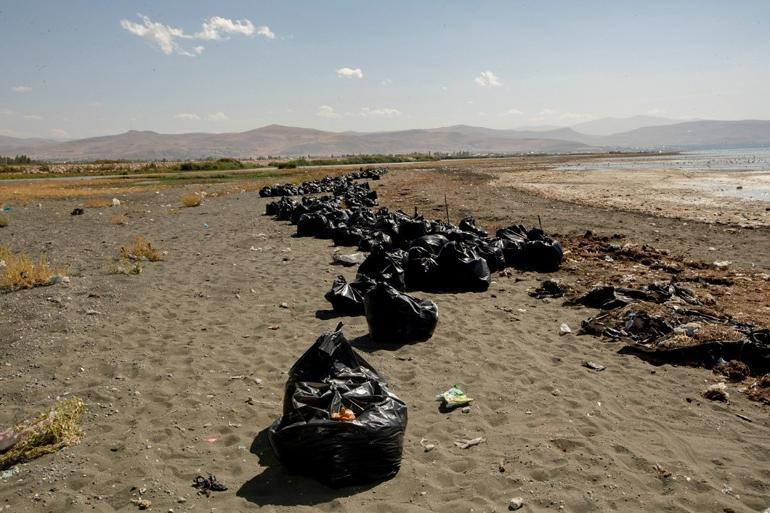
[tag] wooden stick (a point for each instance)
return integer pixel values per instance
(539, 222)
(446, 206)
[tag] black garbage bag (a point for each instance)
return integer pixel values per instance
(386, 266)
(328, 384)
(462, 269)
(375, 240)
(395, 317)
(491, 250)
(348, 298)
(432, 243)
(411, 228)
(544, 255)
(314, 224)
(422, 270)
(468, 224)
(346, 236)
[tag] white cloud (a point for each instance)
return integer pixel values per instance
(547, 112)
(386, 82)
(444, 88)
(350, 73)
(215, 28)
(59, 132)
(164, 36)
(21, 89)
(218, 116)
(511, 112)
(6, 112)
(264, 30)
(186, 115)
(326, 111)
(384, 112)
(488, 79)
(657, 112)
(33, 117)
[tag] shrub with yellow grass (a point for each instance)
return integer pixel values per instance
(141, 249)
(19, 271)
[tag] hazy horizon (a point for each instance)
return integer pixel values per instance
(87, 69)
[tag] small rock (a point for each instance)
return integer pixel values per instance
(142, 503)
(284, 305)
(564, 329)
(594, 366)
(515, 503)
(467, 409)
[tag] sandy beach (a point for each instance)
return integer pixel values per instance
(182, 367)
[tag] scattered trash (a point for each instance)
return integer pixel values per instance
(427, 447)
(115, 202)
(77, 212)
(9, 473)
(515, 504)
(722, 263)
(548, 288)
(594, 366)
(734, 371)
(717, 392)
(564, 329)
(454, 398)
(142, 503)
(206, 485)
(284, 305)
(662, 472)
(331, 375)
(465, 444)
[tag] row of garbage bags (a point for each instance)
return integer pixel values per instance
(340, 423)
(326, 184)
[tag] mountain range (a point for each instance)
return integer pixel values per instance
(277, 140)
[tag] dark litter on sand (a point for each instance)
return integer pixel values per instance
(341, 424)
(408, 253)
(668, 323)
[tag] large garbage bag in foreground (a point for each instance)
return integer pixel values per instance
(395, 317)
(340, 423)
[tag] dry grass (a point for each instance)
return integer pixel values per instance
(35, 190)
(49, 432)
(192, 199)
(97, 203)
(141, 249)
(119, 219)
(22, 272)
(4, 220)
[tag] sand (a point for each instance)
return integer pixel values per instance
(169, 370)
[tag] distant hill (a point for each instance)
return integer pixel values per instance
(609, 126)
(277, 140)
(695, 135)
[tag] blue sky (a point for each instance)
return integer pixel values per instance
(83, 68)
